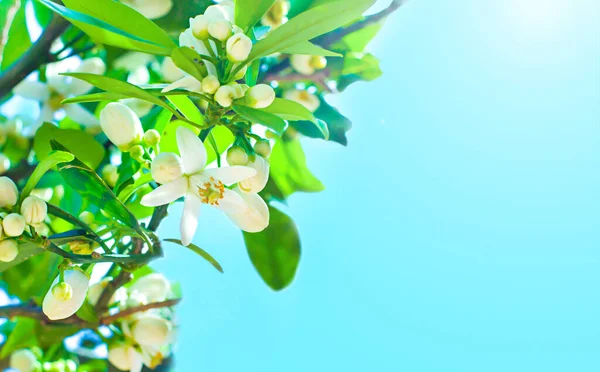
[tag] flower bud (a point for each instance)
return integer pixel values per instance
(241, 73)
(210, 84)
(303, 97)
(24, 360)
(166, 167)
(34, 210)
(81, 247)
(276, 15)
(151, 137)
(87, 217)
(137, 153)
(220, 29)
(199, 26)
(13, 224)
(4, 163)
(151, 330)
(154, 286)
(41, 229)
(124, 357)
(238, 47)
(307, 64)
(56, 308)
(8, 192)
(238, 90)
(318, 62)
(62, 291)
(225, 95)
(263, 148)
(257, 182)
(260, 96)
(236, 156)
(9, 249)
(121, 125)
(110, 175)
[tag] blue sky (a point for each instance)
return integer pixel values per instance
(459, 230)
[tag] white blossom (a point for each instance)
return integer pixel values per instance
(303, 97)
(8, 192)
(56, 308)
(121, 125)
(34, 210)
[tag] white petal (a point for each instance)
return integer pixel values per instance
(257, 183)
(232, 202)
(230, 175)
(80, 115)
(191, 149)
(46, 115)
(58, 309)
(61, 84)
(165, 194)
(32, 89)
(189, 218)
(188, 83)
(254, 217)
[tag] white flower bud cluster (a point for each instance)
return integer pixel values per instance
(149, 334)
(277, 14)
(307, 64)
(34, 211)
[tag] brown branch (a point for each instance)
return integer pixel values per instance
(120, 280)
(31, 310)
(138, 309)
(38, 54)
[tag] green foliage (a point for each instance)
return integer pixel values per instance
(20, 282)
(200, 252)
(337, 123)
(275, 251)
(289, 171)
(306, 47)
(81, 144)
(249, 12)
(22, 336)
(19, 40)
(50, 161)
(310, 24)
(189, 61)
(259, 116)
(358, 67)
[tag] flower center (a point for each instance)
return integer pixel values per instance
(211, 191)
(304, 95)
(55, 100)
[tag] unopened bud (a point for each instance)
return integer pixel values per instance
(307, 64)
(34, 210)
(4, 163)
(41, 228)
(151, 331)
(238, 47)
(122, 356)
(199, 26)
(263, 148)
(151, 137)
(87, 217)
(24, 360)
(225, 96)
(318, 62)
(9, 249)
(110, 175)
(166, 167)
(62, 291)
(241, 73)
(137, 153)
(210, 84)
(8, 192)
(237, 88)
(260, 96)
(236, 156)
(121, 125)
(220, 29)
(13, 224)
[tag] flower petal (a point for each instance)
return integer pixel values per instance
(32, 89)
(232, 202)
(167, 193)
(188, 83)
(191, 149)
(55, 308)
(189, 218)
(230, 175)
(254, 217)
(80, 115)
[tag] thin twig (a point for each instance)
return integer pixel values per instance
(138, 309)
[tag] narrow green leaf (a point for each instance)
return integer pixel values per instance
(81, 144)
(289, 170)
(23, 336)
(275, 251)
(8, 12)
(249, 12)
(95, 97)
(187, 108)
(312, 129)
(306, 47)
(122, 87)
(337, 123)
(310, 24)
(199, 251)
(87, 313)
(18, 38)
(93, 189)
(44, 166)
(267, 119)
(128, 190)
(289, 110)
(189, 61)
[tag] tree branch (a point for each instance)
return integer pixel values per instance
(138, 309)
(38, 54)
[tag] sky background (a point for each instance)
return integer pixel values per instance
(459, 230)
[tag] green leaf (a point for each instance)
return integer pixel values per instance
(223, 138)
(306, 47)
(128, 190)
(18, 36)
(200, 252)
(189, 61)
(87, 313)
(93, 189)
(316, 129)
(23, 336)
(81, 144)
(20, 282)
(50, 161)
(289, 110)
(358, 67)
(269, 120)
(249, 12)
(275, 251)
(122, 87)
(310, 24)
(358, 40)
(95, 97)
(187, 108)
(289, 170)
(105, 32)
(178, 18)
(337, 123)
